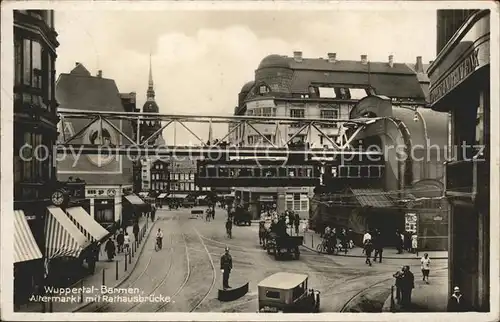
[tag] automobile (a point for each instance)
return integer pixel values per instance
(287, 292)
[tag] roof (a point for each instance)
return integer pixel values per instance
(283, 280)
(376, 198)
(400, 80)
(79, 90)
(150, 107)
(247, 87)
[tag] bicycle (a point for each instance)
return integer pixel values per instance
(158, 244)
(322, 248)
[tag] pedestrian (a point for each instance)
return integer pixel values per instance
(153, 213)
(126, 242)
(368, 251)
(226, 265)
(398, 278)
(119, 240)
(399, 242)
(414, 243)
(110, 249)
(457, 303)
(426, 267)
(407, 285)
(377, 246)
(136, 231)
(366, 236)
(297, 224)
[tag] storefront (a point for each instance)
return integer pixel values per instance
(460, 86)
(105, 203)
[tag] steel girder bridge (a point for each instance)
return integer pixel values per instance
(135, 145)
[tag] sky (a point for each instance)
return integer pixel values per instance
(201, 59)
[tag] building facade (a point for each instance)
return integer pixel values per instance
(327, 88)
(160, 176)
(182, 183)
(460, 88)
(108, 178)
(35, 124)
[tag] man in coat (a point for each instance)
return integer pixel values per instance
(407, 286)
(226, 265)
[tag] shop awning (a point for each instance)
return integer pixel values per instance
(229, 195)
(135, 200)
(25, 246)
(62, 237)
(178, 196)
(162, 195)
(200, 197)
(143, 194)
(91, 229)
(376, 198)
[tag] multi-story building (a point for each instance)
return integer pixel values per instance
(460, 87)
(182, 183)
(160, 176)
(328, 88)
(35, 124)
(108, 178)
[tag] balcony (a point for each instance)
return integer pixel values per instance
(467, 178)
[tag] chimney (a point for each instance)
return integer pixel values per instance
(364, 59)
(391, 60)
(77, 63)
(332, 57)
(297, 55)
(419, 67)
(99, 73)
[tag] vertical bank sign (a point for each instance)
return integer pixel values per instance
(98, 133)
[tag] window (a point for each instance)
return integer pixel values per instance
(18, 61)
(297, 113)
(263, 89)
(273, 294)
(297, 202)
(325, 142)
(329, 114)
(191, 176)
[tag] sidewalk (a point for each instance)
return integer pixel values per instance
(312, 240)
(431, 297)
(110, 274)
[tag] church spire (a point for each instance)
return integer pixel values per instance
(151, 91)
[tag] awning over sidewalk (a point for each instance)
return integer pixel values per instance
(143, 194)
(200, 197)
(62, 237)
(162, 195)
(25, 246)
(135, 200)
(178, 196)
(266, 198)
(91, 229)
(376, 198)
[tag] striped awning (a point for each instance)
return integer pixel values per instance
(25, 246)
(62, 237)
(91, 229)
(134, 199)
(162, 195)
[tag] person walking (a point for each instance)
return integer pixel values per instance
(110, 249)
(153, 213)
(399, 242)
(135, 230)
(377, 246)
(226, 265)
(119, 240)
(414, 243)
(407, 285)
(126, 242)
(368, 251)
(366, 236)
(456, 302)
(398, 278)
(426, 267)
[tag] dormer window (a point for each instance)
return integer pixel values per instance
(263, 89)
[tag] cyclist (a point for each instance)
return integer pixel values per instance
(159, 238)
(229, 226)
